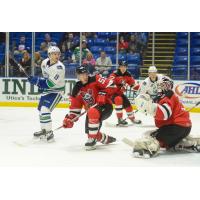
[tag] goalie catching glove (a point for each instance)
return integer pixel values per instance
(145, 104)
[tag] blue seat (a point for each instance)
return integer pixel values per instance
(181, 51)
(195, 51)
(90, 41)
(182, 35)
(133, 59)
(180, 60)
(111, 50)
(179, 73)
(122, 57)
(95, 49)
(2, 58)
(182, 43)
(73, 65)
(100, 42)
(2, 49)
(195, 35)
(112, 43)
(195, 60)
(103, 34)
(95, 56)
(195, 43)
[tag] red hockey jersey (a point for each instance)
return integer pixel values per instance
(86, 94)
(171, 111)
(122, 80)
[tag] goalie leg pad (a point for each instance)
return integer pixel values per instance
(190, 144)
(146, 147)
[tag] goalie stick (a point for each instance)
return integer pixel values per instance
(194, 106)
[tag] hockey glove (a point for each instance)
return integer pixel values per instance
(101, 98)
(145, 105)
(67, 122)
(40, 82)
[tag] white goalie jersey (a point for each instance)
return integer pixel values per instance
(150, 87)
(55, 75)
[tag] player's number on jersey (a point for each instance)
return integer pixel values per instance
(102, 80)
(56, 77)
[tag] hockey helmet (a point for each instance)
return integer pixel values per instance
(81, 69)
(152, 69)
(53, 49)
(165, 84)
(123, 63)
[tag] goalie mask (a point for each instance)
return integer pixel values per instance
(164, 85)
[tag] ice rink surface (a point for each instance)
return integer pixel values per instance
(17, 148)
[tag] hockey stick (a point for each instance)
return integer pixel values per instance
(77, 117)
(19, 65)
(194, 106)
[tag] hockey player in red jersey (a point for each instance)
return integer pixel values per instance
(87, 92)
(172, 120)
(123, 78)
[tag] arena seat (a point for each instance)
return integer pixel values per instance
(111, 50)
(182, 43)
(181, 51)
(95, 49)
(182, 35)
(133, 59)
(180, 60)
(195, 51)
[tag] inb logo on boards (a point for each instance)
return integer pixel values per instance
(188, 90)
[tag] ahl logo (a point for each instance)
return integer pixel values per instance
(188, 90)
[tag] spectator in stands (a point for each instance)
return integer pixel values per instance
(47, 42)
(20, 47)
(132, 44)
(90, 62)
(69, 42)
(103, 64)
(38, 61)
(25, 63)
(66, 55)
(123, 45)
(76, 53)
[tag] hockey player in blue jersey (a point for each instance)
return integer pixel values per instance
(52, 86)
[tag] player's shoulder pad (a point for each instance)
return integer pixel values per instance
(60, 65)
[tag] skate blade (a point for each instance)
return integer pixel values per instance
(90, 148)
(137, 155)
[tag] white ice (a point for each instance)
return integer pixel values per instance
(17, 149)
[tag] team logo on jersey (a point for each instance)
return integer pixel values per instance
(188, 90)
(88, 97)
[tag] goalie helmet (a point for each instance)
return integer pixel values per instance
(53, 49)
(81, 69)
(164, 85)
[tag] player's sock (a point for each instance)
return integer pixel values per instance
(105, 139)
(129, 112)
(93, 127)
(119, 106)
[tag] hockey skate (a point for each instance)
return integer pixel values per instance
(106, 139)
(135, 121)
(122, 122)
(90, 144)
(44, 135)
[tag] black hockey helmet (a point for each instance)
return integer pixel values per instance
(81, 69)
(123, 63)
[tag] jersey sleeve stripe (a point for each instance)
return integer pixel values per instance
(168, 109)
(164, 112)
